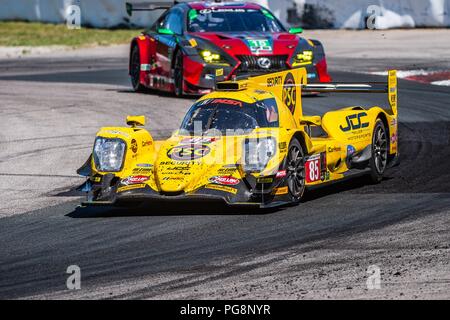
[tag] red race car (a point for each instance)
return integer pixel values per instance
(193, 45)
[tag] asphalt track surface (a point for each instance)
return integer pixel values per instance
(321, 248)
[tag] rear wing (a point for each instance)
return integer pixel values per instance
(389, 87)
(148, 6)
(289, 85)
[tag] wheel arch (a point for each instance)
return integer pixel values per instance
(175, 52)
(304, 140)
(384, 119)
(382, 116)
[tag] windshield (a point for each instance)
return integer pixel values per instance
(228, 116)
(233, 20)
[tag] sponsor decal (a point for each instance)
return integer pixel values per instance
(206, 11)
(224, 180)
(351, 125)
(360, 136)
(137, 171)
(228, 171)
(289, 95)
(188, 152)
(221, 188)
(131, 187)
(227, 101)
(274, 81)
(394, 148)
(134, 180)
(282, 145)
(147, 143)
(350, 150)
(193, 42)
(144, 165)
(219, 72)
(280, 191)
(334, 149)
(145, 67)
(134, 146)
(173, 178)
(196, 140)
(117, 132)
(394, 138)
(281, 174)
(264, 180)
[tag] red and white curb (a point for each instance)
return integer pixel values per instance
(438, 78)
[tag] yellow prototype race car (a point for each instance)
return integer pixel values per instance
(246, 143)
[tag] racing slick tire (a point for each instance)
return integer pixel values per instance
(135, 70)
(378, 160)
(178, 74)
(295, 166)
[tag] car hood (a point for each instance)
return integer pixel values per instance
(185, 164)
(243, 43)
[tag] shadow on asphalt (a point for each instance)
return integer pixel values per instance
(167, 209)
(208, 208)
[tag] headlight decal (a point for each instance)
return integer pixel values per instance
(258, 152)
(109, 154)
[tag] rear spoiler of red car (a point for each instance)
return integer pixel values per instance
(148, 6)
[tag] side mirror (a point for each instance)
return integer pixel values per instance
(295, 30)
(135, 121)
(166, 31)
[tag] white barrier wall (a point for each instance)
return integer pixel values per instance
(314, 13)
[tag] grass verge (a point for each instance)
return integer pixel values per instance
(44, 34)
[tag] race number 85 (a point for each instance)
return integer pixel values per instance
(313, 169)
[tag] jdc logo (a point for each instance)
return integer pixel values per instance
(354, 125)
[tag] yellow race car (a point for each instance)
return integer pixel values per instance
(246, 143)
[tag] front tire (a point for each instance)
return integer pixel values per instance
(378, 161)
(295, 164)
(135, 70)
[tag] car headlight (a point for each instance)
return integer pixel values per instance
(258, 152)
(213, 57)
(304, 57)
(109, 154)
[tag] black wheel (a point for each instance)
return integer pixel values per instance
(178, 73)
(296, 170)
(135, 69)
(378, 161)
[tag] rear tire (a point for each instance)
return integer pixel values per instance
(178, 74)
(135, 70)
(295, 164)
(378, 161)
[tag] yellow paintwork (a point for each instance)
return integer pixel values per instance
(151, 158)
